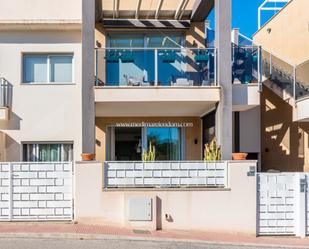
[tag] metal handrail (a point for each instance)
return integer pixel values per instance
(4, 92)
(154, 48)
(278, 56)
(292, 75)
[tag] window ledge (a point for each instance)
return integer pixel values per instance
(46, 84)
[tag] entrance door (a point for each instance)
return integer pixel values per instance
(128, 144)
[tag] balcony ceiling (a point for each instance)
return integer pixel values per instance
(155, 102)
(194, 10)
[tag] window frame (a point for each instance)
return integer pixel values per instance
(48, 64)
(46, 143)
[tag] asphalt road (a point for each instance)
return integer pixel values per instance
(17, 243)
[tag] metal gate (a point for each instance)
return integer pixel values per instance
(36, 191)
(283, 207)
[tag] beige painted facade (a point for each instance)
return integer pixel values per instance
(40, 112)
(205, 209)
(284, 140)
(284, 143)
(287, 33)
(193, 151)
(40, 10)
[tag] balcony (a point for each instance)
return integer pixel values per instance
(118, 67)
(5, 98)
(167, 81)
(246, 77)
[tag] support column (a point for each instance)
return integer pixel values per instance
(300, 205)
(87, 94)
(224, 126)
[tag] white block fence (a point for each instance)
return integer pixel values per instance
(283, 207)
(165, 174)
(36, 191)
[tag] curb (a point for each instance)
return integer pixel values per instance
(76, 236)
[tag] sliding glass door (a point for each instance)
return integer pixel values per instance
(166, 142)
(130, 59)
(128, 143)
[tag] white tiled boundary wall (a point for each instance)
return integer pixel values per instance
(165, 174)
(283, 204)
(226, 209)
(36, 191)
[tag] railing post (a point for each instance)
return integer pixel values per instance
(156, 66)
(215, 67)
(294, 83)
(96, 66)
(270, 64)
(259, 68)
(2, 92)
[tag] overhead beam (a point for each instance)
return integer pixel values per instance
(158, 9)
(179, 8)
(201, 9)
(145, 24)
(183, 9)
(98, 10)
(138, 6)
(115, 8)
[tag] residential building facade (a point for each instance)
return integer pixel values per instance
(141, 64)
(41, 60)
(144, 85)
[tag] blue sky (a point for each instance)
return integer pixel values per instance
(245, 16)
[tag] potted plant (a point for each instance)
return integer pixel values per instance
(87, 156)
(212, 151)
(239, 156)
(150, 155)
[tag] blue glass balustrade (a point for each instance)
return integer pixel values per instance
(245, 64)
(155, 67)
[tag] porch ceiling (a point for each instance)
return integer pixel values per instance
(153, 109)
(196, 10)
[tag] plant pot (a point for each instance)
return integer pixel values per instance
(88, 157)
(239, 156)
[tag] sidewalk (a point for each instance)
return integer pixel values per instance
(69, 230)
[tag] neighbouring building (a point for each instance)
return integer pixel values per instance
(284, 100)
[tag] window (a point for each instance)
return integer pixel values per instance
(166, 141)
(47, 152)
(39, 68)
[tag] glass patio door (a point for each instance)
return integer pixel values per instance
(128, 143)
(167, 142)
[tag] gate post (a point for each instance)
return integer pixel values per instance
(10, 192)
(300, 205)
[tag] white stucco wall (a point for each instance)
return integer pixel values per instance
(40, 112)
(223, 210)
(40, 9)
(250, 138)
